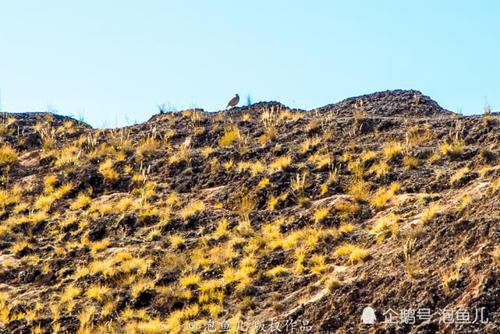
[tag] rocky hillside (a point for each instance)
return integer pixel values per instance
(257, 218)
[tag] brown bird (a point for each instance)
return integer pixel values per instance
(234, 101)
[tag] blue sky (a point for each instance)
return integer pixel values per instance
(113, 62)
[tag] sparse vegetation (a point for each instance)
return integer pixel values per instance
(229, 137)
(359, 189)
(408, 250)
(192, 216)
(430, 212)
(383, 195)
(453, 149)
(385, 226)
(410, 162)
(7, 155)
(392, 148)
(447, 279)
(355, 253)
(81, 201)
(106, 169)
(280, 163)
(320, 214)
(459, 174)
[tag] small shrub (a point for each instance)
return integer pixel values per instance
(277, 271)
(7, 155)
(49, 181)
(417, 135)
(459, 174)
(320, 214)
(97, 292)
(147, 147)
(319, 266)
(63, 190)
(70, 293)
(81, 201)
(429, 213)
(356, 167)
(383, 195)
(106, 169)
(244, 227)
(448, 278)
(346, 208)
(229, 137)
(464, 202)
(391, 149)
(385, 226)
(332, 283)
(299, 185)
(345, 228)
(263, 183)
(495, 185)
(191, 209)
(453, 149)
(222, 229)
(272, 202)
(280, 163)
(410, 162)
(190, 280)
(44, 202)
(176, 240)
(359, 190)
(356, 253)
(320, 160)
(323, 188)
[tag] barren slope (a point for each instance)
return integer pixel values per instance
(256, 214)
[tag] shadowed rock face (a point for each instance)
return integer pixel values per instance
(261, 212)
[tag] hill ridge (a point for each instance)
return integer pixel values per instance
(255, 214)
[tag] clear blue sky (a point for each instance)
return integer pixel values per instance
(113, 62)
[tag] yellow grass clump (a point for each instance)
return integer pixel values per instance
(430, 212)
(106, 169)
(7, 154)
(280, 163)
(81, 201)
(355, 253)
(453, 149)
(191, 209)
(391, 149)
(359, 189)
(229, 137)
(385, 226)
(320, 214)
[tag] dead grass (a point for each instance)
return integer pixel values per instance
(230, 136)
(392, 148)
(453, 149)
(359, 189)
(7, 155)
(314, 210)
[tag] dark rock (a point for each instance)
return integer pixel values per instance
(39, 227)
(47, 160)
(144, 298)
(32, 141)
(97, 231)
(169, 277)
(25, 251)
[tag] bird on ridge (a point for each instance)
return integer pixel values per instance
(234, 101)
